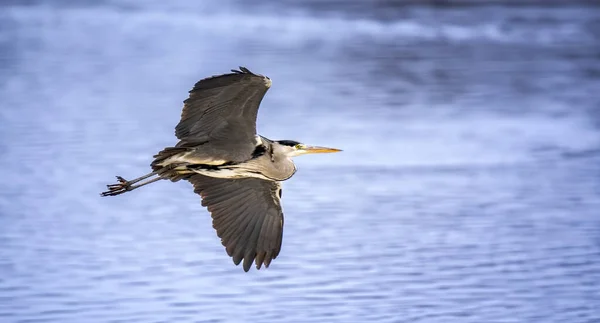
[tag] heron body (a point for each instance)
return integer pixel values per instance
(236, 171)
(270, 161)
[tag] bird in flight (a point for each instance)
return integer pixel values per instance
(237, 172)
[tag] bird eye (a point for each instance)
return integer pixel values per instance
(298, 146)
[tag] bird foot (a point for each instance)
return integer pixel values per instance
(119, 188)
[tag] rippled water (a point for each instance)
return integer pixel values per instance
(468, 190)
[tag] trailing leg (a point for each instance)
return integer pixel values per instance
(125, 186)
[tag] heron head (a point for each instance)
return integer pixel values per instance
(293, 148)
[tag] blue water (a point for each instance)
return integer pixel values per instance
(468, 189)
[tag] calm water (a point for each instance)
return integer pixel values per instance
(468, 190)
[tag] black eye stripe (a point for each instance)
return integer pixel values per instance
(290, 143)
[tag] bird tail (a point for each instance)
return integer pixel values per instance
(170, 171)
(163, 155)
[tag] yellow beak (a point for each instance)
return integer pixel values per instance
(319, 150)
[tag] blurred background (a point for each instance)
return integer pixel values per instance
(468, 189)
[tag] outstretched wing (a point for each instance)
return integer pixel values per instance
(247, 216)
(222, 110)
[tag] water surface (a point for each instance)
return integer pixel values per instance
(468, 189)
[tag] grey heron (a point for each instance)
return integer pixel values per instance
(237, 172)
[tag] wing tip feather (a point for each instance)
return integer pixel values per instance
(242, 70)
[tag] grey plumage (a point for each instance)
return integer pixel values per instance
(235, 171)
(221, 112)
(247, 215)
